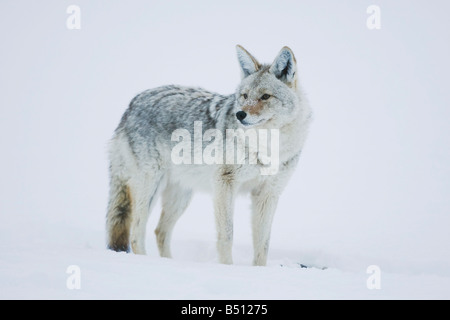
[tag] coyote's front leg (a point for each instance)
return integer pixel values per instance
(224, 194)
(264, 202)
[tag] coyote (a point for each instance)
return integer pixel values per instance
(141, 155)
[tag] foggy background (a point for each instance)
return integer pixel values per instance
(372, 185)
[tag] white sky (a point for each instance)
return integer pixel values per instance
(373, 179)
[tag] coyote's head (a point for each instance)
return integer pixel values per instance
(267, 94)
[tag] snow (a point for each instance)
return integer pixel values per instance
(372, 186)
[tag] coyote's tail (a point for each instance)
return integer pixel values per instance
(119, 216)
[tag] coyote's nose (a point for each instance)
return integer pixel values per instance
(241, 115)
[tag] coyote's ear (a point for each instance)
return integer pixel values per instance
(247, 62)
(285, 67)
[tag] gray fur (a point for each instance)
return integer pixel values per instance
(140, 155)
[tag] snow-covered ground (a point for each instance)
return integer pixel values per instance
(40, 269)
(372, 187)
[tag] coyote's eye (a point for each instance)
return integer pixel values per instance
(245, 96)
(265, 96)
